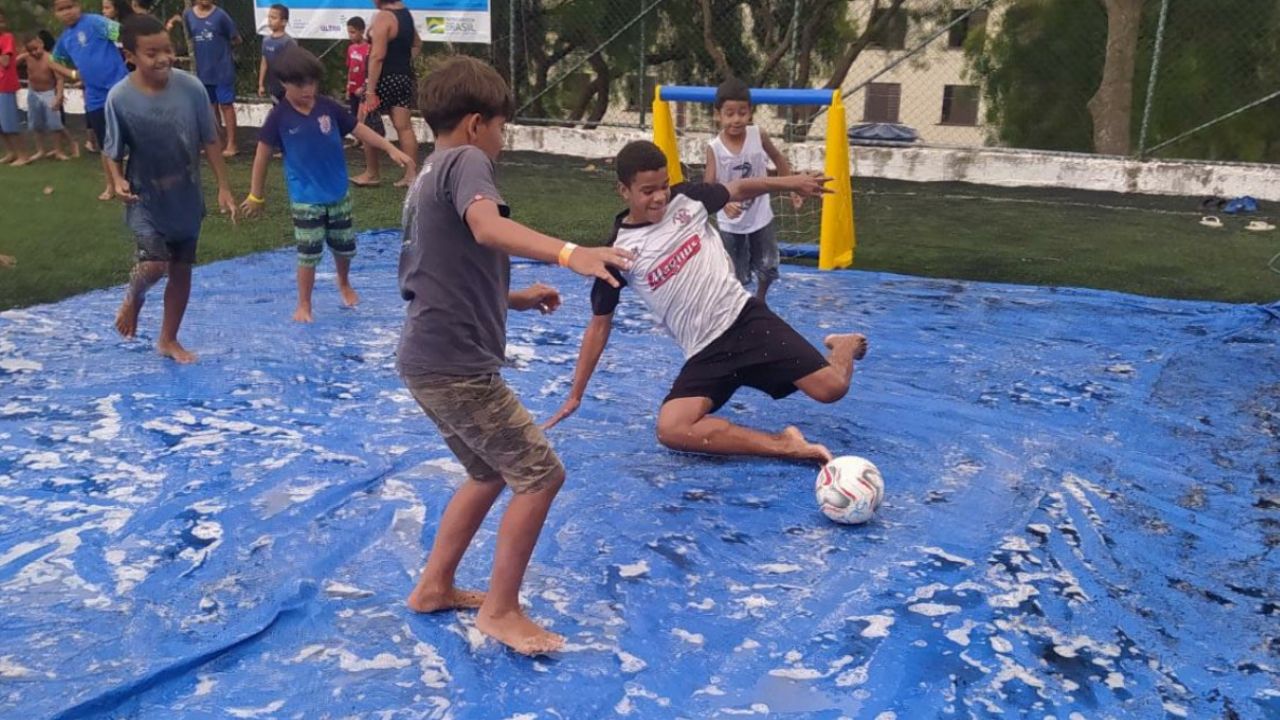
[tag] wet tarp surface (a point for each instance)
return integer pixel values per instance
(1082, 515)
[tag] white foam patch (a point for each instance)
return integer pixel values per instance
(435, 673)
(1000, 644)
(42, 461)
(933, 609)
(256, 712)
(778, 568)
(18, 365)
(853, 678)
(704, 604)
(345, 591)
(797, 673)
(691, 638)
(944, 555)
(12, 669)
(927, 591)
(960, 635)
(877, 625)
(631, 663)
(635, 569)
(747, 644)
(108, 427)
(204, 685)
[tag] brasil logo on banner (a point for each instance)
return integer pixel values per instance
(436, 20)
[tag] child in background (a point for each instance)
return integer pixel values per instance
(47, 42)
(309, 128)
(357, 86)
(10, 123)
(119, 13)
(742, 150)
(89, 42)
(455, 272)
(276, 40)
(44, 100)
(213, 32)
(160, 119)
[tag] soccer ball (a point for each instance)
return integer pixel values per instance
(849, 490)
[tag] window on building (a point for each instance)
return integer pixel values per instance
(883, 102)
(960, 105)
(961, 31)
(893, 36)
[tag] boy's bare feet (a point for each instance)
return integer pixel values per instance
(8, 158)
(302, 314)
(37, 156)
(173, 349)
(518, 632)
(366, 180)
(404, 182)
(858, 344)
(230, 152)
(107, 194)
(349, 296)
(59, 155)
(426, 600)
(127, 316)
(22, 161)
(796, 446)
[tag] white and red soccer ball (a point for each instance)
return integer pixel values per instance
(849, 490)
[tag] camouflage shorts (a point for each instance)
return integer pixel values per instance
(490, 432)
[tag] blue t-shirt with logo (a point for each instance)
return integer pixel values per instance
(315, 167)
(90, 45)
(212, 37)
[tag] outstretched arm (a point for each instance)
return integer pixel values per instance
(367, 136)
(594, 341)
(806, 185)
(508, 236)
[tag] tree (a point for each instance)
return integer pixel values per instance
(1112, 106)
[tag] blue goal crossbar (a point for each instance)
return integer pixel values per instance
(759, 96)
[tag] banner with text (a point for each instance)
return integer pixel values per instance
(436, 20)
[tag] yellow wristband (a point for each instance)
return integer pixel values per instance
(565, 252)
(256, 200)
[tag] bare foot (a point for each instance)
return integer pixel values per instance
(518, 632)
(22, 161)
(797, 447)
(75, 150)
(173, 349)
(59, 155)
(429, 601)
(858, 343)
(349, 296)
(37, 156)
(230, 153)
(6, 159)
(107, 194)
(8, 261)
(366, 180)
(127, 316)
(404, 182)
(302, 314)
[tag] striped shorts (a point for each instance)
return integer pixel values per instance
(315, 225)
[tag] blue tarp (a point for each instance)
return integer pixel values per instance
(1082, 515)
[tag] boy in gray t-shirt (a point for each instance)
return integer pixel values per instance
(273, 45)
(455, 273)
(160, 119)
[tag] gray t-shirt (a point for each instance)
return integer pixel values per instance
(456, 288)
(162, 135)
(271, 49)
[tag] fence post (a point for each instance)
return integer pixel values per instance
(643, 75)
(511, 45)
(795, 68)
(1153, 79)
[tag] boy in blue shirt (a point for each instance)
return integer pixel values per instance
(159, 119)
(213, 32)
(274, 43)
(89, 43)
(309, 128)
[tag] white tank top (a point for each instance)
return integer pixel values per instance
(750, 163)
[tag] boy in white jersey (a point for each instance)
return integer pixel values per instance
(743, 150)
(730, 339)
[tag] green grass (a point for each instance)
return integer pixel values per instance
(67, 242)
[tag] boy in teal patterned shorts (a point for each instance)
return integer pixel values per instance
(308, 128)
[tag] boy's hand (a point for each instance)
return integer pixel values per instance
(809, 185)
(797, 201)
(57, 103)
(227, 203)
(538, 296)
(124, 192)
(733, 210)
(570, 407)
(262, 91)
(399, 158)
(596, 261)
(249, 208)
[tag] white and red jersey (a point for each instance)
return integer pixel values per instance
(681, 270)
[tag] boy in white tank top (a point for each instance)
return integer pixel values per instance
(742, 150)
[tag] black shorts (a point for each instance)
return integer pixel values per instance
(96, 120)
(395, 90)
(373, 120)
(759, 350)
